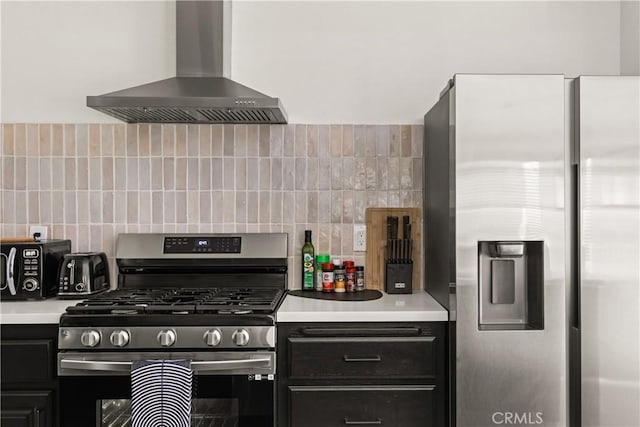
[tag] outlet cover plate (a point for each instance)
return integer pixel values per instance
(359, 237)
(42, 229)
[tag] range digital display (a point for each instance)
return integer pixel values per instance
(203, 245)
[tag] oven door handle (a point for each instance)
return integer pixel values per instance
(196, 366)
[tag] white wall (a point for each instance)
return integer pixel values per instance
(630, 37)
(329, 62)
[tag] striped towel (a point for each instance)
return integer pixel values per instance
(161, 393)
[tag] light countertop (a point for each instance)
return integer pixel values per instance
(416, 307)
(33, 312)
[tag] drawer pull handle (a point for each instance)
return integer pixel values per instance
(349, 422)
(376, 358)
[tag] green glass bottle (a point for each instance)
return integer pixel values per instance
(308, 252)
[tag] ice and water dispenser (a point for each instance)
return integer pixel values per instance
(511, 284)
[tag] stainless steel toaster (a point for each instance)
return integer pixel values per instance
(83, 274)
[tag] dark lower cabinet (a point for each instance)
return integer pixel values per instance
(29, 384)
(26, 408)
(361, 374)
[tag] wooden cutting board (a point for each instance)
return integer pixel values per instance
(376, 222)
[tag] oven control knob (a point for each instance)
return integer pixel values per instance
(30, 284)
(166, 338)
(119, 338)
(212, 337)
(90, 338)
(241, 337)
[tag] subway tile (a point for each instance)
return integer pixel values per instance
(301, 140)
(193, 207)
(416, 140)
(265, 207)
(217, 171)
(132, 207)
(94, 140)
(44, 139)
(336, 141)
(359, 207)
(323, 232)
(157, 207)
(32, 144)
(301, 206)
(57, 140)
(253, 206)
(406, 198)
(95, 206)
(107, 207)
(312, 141)
(205, 140)
(168, 140)
(19, 139)
(348, 172)
(8, 207)
(417, 174)
(229, 172)
(181, 207)
(311, 174)
(120, 207)
(406, 173)
(276, 207)
(382, 174)
(371, 172)
(288, 146)
(276, 174)
(204, 170)
(45, 173)
(21, 207)
(183, 173)
(347, 140)
(241, 206)
(253, 140)
(95, 236)
(193, 140)
(405, 140)
(324, 206)
(181, 140)
(144, 140)
(336, 239)
(169, 173)
(264, 144)
(240, 141)
(156, 173)
(276, 140)
(7, 140)
(83, 212)
(132, 173)
(144, 173)
(324, 141)
(119, 140)
(324, 173)
(20, 182)
(69, 138)
(382, 141)
(395, 143)
(169, 207)
(132, 140)
(241, 173)
(336, 201)
(301, 173)
(216, 140)
(71, 232)
(217, 207)
(265, 174)
(58, 208)
(359, 140)
(69, 173)
(393, 173)
(288, 207)
(312, 206)
(33, 173)
(82, 173)
(228, 135)
(155, 139)
(382, 199)
(228, 206)
(107, 140)
(70, 208)
(288, 170)
(204, 205)
(8, 173)
(370, 138)
(95, 173)
(347, 206)
(372, 199)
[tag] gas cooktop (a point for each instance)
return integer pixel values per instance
(181, 301)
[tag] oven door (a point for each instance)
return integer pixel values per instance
(230, 389)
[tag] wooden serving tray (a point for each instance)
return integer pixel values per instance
(376, 222)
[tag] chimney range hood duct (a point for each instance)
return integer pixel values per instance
(199, 93)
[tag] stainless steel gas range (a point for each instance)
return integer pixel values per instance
(209, 299)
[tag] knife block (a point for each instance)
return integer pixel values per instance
(398, 278)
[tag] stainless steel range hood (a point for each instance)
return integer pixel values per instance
(199, 93)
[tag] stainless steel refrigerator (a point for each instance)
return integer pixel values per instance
(509, 166)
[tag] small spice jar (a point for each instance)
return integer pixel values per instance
(328, 284)
(340, 279)
(360, 285)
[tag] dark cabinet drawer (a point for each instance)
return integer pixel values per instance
(26, 408)
(27, 361)
(385, 406)
(362, 357)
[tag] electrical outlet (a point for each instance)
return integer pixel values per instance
(42, 229)
(359, 237)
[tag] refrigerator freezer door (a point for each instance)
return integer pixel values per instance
(609, 137)
(510, 167)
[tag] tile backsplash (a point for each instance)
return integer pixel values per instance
(90, 182)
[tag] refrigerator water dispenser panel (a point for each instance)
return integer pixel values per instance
(511, 283)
